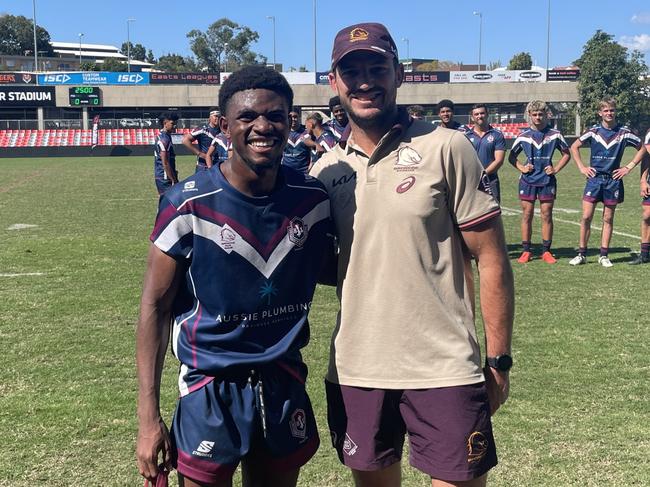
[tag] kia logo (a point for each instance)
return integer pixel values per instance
(482, 76)
(530, 74)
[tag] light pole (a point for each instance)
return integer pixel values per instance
(272, 18)
(35, 44)
(128, 44)
(548, 34)
(408, 49)
(225, 56)
(80, 36)
(480, 36)
(315, 64)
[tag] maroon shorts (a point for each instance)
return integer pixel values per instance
(449, 429)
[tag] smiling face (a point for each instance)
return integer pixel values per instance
(257, 123)
(480, 117)
(294, 120)
(338, 112)
(367, 84)
(446, 115)
(607, 113)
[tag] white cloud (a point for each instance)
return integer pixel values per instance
(639, 43)
(641, 18)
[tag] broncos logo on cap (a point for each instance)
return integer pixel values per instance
(358, 34)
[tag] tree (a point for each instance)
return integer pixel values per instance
(114, 65)
(138, 51)
(521, 61)
(88, 66)
(17, 36)
(175, 63)
(227, 38)
(150, 57)
(608, 70)
(430, 66)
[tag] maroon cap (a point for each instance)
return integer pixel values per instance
(368, 36)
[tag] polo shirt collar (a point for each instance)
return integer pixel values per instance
(402, 122)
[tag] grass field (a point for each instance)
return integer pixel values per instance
(579, 410)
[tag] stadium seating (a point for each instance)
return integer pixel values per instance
(116, 137)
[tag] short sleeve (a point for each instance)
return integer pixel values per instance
(470, 199)
(516, 146)
(499, 141)
(172, 231)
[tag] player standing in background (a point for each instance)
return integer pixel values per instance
(445, 110)
(204, 136)
(537, 180)
(164, 162)
(234, 259)
(416, 112)
(644, 256)
(297, 152)
(607, 141)
(339, 121)
(490, 145)
(220, 149)
(411, 209)
(322, 137)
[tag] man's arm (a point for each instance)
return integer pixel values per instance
(208, 155)
(625, 170)
(152, 336)
(588, 172)
(487, 244)
(513, 160)
(188, 140)
(499, 157)
(554, 169)
(164, 157)
(645, 169)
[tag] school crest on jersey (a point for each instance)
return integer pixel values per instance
(297, 231)
(407, 159)
(298, 424)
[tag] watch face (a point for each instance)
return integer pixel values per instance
(504, 362)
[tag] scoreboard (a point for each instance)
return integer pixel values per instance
(85, 96)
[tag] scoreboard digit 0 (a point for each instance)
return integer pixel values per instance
(85, 96)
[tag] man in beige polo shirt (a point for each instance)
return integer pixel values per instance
(412, 207)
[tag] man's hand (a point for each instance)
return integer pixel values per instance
(528, 167)
(550, 170)
(588, 172)
(498, 387)
(620, 172)
(645, 188)
(153, 440)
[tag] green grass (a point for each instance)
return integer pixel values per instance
(578, 412)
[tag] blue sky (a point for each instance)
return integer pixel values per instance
(445, 30)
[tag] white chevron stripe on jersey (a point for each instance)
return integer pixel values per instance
(616, 140)
(533, 142)
(236, 243)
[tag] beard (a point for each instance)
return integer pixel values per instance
(382, 117)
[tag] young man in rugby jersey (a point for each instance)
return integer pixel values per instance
(490, 145)
(445, 109)
(537, 180)
(235, 254)
(644, 255)
(203, 135)
(411, 209)
(220, 149)
(164, 157)
(607, 142)
(297, 152)
(322, 137)
(339, 121)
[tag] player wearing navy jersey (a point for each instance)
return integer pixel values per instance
(323, 138)
(445, 109)
(203, 135)
(299, 144)
(490, 145)
(164, 162)
(416, 112)
(219, 149)
(607, 142)
(235, 254)
(339, 121)
(644, 255)
(537, 179)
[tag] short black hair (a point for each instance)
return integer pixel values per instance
(445, 104)
(415, 110)
(167, 116)
(253, 78)
(335, 100)
(213, 109)
(479, 105)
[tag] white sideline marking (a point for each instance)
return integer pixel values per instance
(511, 211)
(22, 274)
(21, 226)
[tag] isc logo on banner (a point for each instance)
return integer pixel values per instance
(129, 78)
(56, 78)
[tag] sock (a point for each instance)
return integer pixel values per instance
(526, 245)
(582, 251)
(645, 249)
(604, 251)
(546, 244)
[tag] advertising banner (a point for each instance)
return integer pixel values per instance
(17, 79)
(93, 78)
(562, 74)
(300, 78)
(27, 96)
(426, 77)
(321, 78)
(184, 78)
(503, 76)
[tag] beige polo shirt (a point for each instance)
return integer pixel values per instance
(404, 280)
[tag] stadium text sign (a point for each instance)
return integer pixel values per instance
(426, 77)
(92, 78)
(184, 78)
(32, 96)
(562, 74)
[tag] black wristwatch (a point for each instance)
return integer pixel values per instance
(500, 362)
